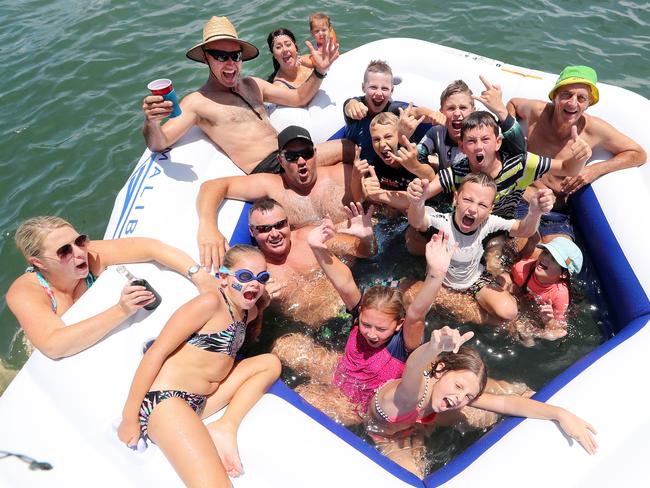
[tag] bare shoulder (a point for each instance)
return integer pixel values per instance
(24, 292)
(528, 107)
(597, 127)
(337, 172)
(254, 86)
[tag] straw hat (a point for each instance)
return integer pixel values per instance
(221, 28)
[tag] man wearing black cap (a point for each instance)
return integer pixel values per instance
(307, 193)
(228, 106)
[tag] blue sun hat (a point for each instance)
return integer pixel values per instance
(566, 253)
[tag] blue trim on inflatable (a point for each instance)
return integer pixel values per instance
(625, 296)
(136, 180)
(473, 452)
(287, 394)
(241, 235)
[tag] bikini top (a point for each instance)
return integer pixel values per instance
(412, 417)
(89, 279)
(227, 341)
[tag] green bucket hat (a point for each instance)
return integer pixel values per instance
(577, 74)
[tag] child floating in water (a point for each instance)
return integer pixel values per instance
(468, 225)
(441, 377)
(320, 26)
(189, 373)
(382, 336)
(546, 281)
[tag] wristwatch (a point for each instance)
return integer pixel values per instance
(192, 270)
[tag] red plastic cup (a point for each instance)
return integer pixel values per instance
(164, 88)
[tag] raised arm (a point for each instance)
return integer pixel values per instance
(185, 321)
(159, 137)
(407, 157)
(323, 58)
(416, 194)
(407, 392)
(438, 254)
(355, 236)
(212, 244)
(540, 203)
(572, 425)
(337, 272)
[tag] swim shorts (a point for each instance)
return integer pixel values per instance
(550, 223)
(270, 164)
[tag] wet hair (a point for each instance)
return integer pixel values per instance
(456, 86)
(480, 118)
(480, 179)
(385, 299)
(317, 17)
(263, 205)
(378, 66)
(238, 252)
(31, 233)
(467, 358)
(384, 118)
(270, 40)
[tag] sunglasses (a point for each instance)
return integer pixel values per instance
(293, 156)
(65, 251)
(280, 224)
(246, 276)
(223, 56)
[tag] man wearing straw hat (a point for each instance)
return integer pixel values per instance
(230, 109)
(549, 133)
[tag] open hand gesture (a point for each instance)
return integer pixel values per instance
(447, 339)
(438, 253)
(359, 222)
(321, 234)
(324, 56)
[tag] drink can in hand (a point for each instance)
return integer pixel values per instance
(164, 88)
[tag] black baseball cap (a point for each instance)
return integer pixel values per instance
(292, 133)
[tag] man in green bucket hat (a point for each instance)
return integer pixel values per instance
(549, 133)
(229, 107)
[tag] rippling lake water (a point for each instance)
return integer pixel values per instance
(74, 74)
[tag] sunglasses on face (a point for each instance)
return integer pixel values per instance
(246, 276)
(65, 251)
(293, 156)
(223, 56)
(280, 224)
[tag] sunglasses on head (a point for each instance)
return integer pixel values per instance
(246, 276)
(223, 56)
(280, 224)
(65, 251)
(293, 156)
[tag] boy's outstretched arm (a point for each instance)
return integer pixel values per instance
(416, 194)
(580, 154)
(541, 203)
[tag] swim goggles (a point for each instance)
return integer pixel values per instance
(246, 276)
(223, 56)
(280, 224)
(293, 156)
